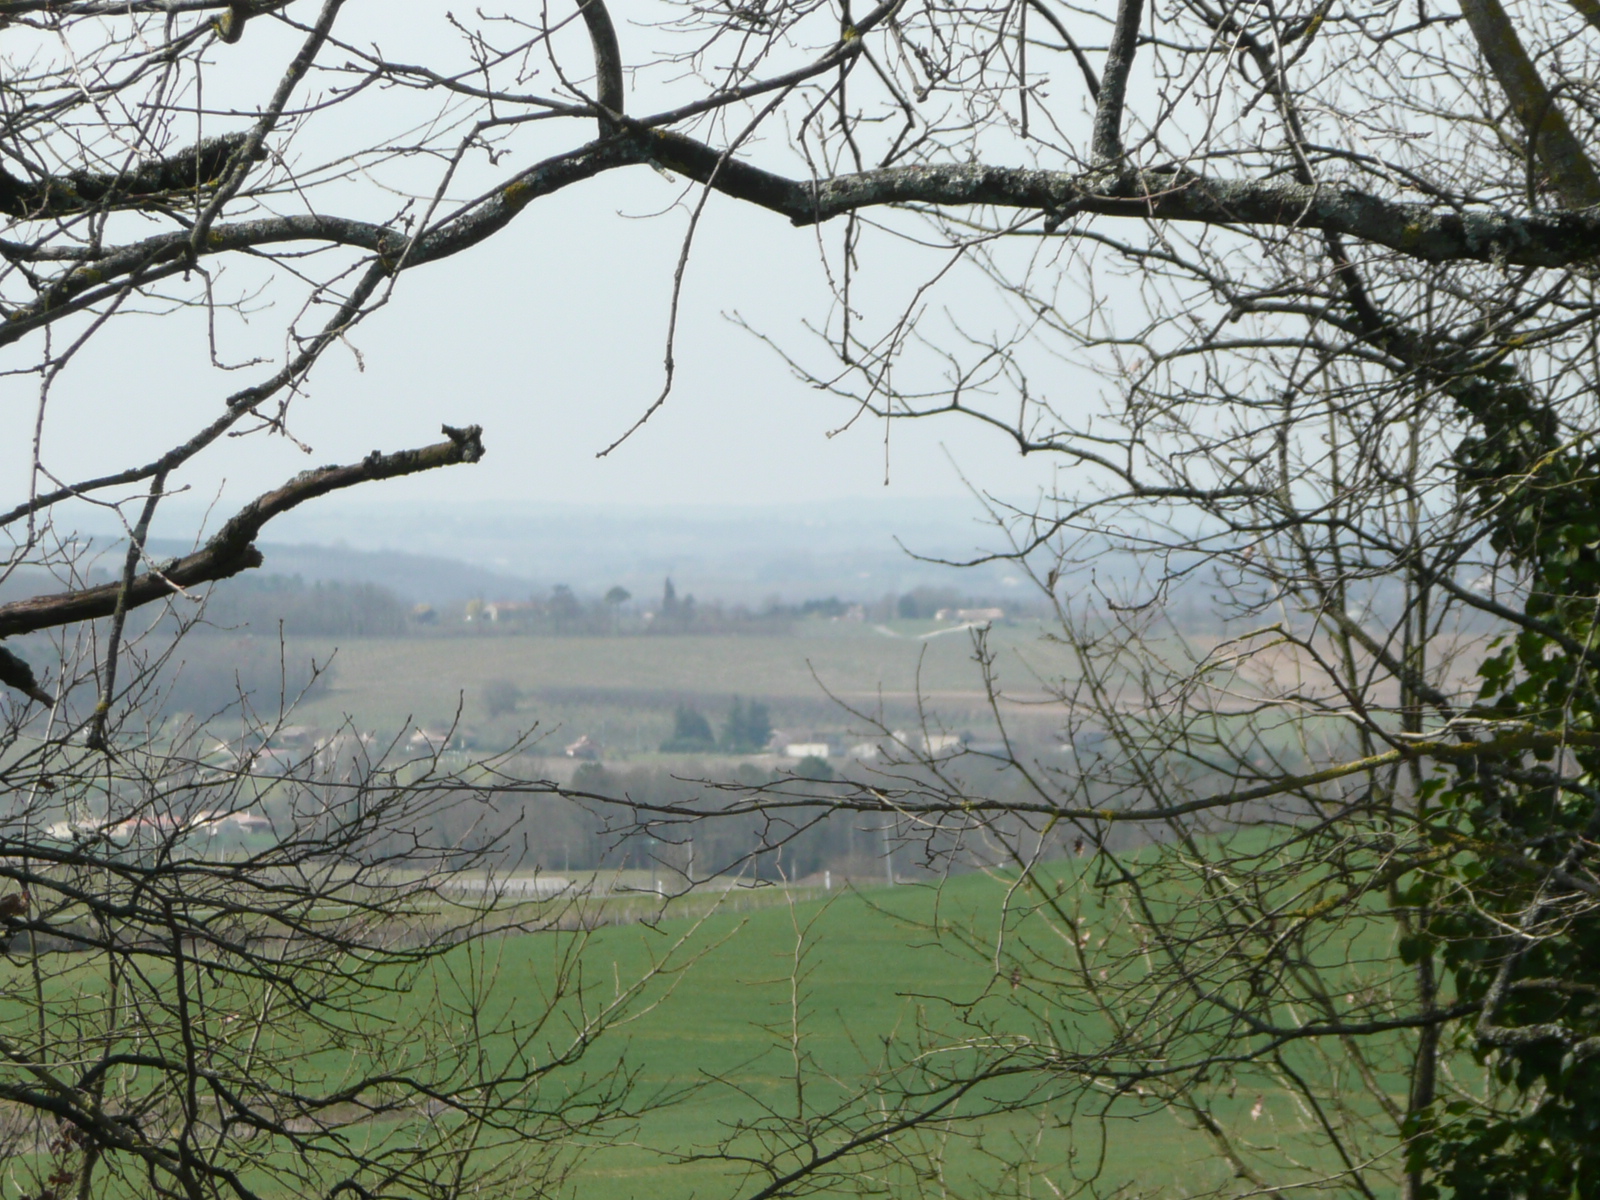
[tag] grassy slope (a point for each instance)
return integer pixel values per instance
(866, 975)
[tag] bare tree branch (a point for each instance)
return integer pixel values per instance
(1106, 144)
(231, 549)
(1550, 138)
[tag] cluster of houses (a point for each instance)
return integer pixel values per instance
(841, 746)
(161, 826)
(835, 746)
(429, 741)
(292, 749)
(297, 748)
(974, 615)
(585, 748)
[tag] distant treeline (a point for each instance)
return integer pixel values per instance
(226, 676)
(258, 603)
(556, 834)
(745, 732)
(562, 611)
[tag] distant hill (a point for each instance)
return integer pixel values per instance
(858, 550)
(738, 555)
(419, 578)
(414, 578)
(28, 581)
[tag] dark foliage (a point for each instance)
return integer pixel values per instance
(258, 603)
(691, 733)
(747, 729)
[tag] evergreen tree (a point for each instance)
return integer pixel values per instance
(691, 733)
(748, 728)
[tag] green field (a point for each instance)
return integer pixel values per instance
(760, 989)
(852, 983)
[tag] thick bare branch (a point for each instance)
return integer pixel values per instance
(232, 548)
(1111, 100)
(1423, 232)
(159, 179)
(608, 85)
(1550, 139)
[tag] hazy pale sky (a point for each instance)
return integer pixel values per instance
(551, 336)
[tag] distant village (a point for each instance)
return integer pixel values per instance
(301, 749)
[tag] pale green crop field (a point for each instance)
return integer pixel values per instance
(622, 690)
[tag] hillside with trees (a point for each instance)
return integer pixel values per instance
(1301, 299)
